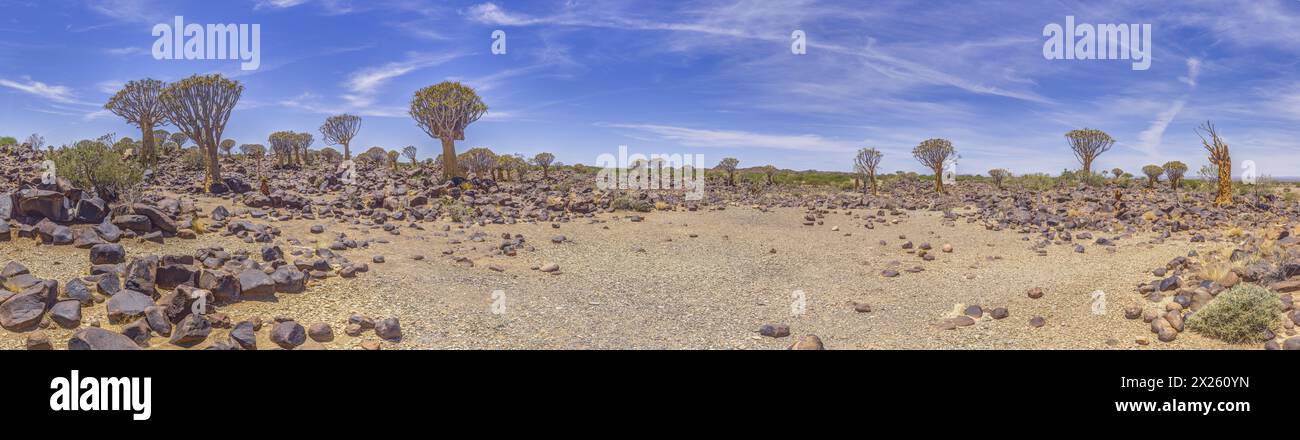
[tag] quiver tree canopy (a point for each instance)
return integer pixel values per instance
(1087, 145)
(200, 106)
(339, 130)
(139, 105)
(443, 111)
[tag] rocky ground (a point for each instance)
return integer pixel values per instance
(397, 261)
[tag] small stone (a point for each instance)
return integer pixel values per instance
(774, 330)
(974, 311)
(1035, 293)
(38, 340)
(809, 342)
(192, 330)
(389, 329)
(66, 313)
(244, 334)
(1291, 344)
(550, 267)
(999, 313)
(320, 332)
(1037, 321)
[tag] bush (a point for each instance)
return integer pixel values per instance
(8, 140)
(621, 203)
(95, 166)
(1241, 314)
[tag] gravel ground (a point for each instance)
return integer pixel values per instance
(650, 284)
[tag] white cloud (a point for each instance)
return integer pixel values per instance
(365, 83)
(1193, 71)
(110, 87)
(126, 51)
(277, 4)
(61, 94)
(1149, 140)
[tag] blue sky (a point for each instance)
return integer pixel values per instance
(716, 77)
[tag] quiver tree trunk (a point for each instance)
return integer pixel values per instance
(1224, 194)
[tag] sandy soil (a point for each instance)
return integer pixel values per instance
(704, 280)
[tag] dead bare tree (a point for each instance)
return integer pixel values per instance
(1220, 158)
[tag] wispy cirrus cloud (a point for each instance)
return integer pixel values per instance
(363, 84)
(54, 93)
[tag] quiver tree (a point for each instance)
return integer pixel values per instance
(770, 172)
(1153, 173)
(302, 146)
(443, 111)
(374, 155)
(256, 152)
(393, 157)
(1117, 172)
(331, 155)
(138, 103)
(283, 143)
(1220, 159)
(933, 153)
(728, 165)
(999, 176)
(480, 161)
(544, 160)
(865, 164)
(1087, 145)
(339, 130)
(410, 151)
(1174, 171)
(520, 166)
(226, 146)
(200, 106)
(179, 139)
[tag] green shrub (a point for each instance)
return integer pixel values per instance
(621, 203)
(95, 166)
(8, 140)
(642, 206)
(1241, 314)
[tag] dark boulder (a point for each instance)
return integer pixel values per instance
(95, 338)
(107, 254)
(127, 305)
(288, 334)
